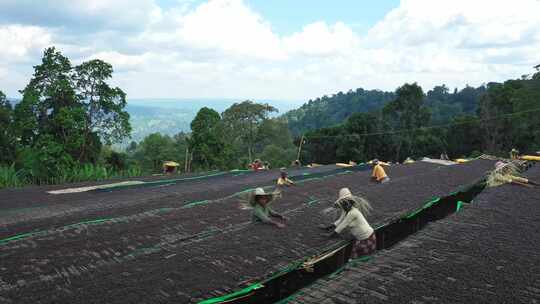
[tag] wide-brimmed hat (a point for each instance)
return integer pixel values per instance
(260, 192)
(344, 193)
(499, 165)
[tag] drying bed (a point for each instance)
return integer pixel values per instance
(487, 253)
(33, 208)
(186, 254)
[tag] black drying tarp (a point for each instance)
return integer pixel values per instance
(180, 255)
(486, 253)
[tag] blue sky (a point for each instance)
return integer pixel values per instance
(274, 49)
(288, 16)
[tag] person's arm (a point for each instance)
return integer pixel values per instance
(275, 214)
(261, 215)
(349, 218)
(340, 219)
(289, 181)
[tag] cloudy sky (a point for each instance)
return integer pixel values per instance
(274, 49)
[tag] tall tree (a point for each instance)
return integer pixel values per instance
(154, 149)
(207, 139)
(7, 140)
(102, 104)
(66, 112)
(242, 121)
(406, 114)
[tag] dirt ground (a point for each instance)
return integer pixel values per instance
(153, 245)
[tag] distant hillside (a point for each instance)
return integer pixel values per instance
(332, 110)
(328, 111)
(170, 116)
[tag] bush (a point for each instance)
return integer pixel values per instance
(10, 177)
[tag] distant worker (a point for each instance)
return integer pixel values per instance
(378, 174)
(296, 163)
(260, 201)
(514, 153)
(408, 160)
(507, 173)
(256, 165)
(284, 180)
(354, 210)
(444, 156)
(266, 166)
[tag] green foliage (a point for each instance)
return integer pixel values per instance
(406, 113)
(277, 156)
(65, 114)
(506, 117)
(207, 141)
(330, 111)
(10, 177)
(242, 122)
(154, 150)
(7, 140)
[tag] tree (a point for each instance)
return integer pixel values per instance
(405, 115)
(492, 108)
(464, 136)
(154, 149)
(242, 121)
(102, 104)
(69, 110)
(207, 141)
(273, 132)
(7, 140)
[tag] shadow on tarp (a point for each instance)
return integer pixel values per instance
(281, 286)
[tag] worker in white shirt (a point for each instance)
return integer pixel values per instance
(353, 217)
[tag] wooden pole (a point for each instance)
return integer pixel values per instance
(186, 160)
(300, 148)
(190, 161)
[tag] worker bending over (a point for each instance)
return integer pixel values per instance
(354, 210)
(260, 201)
(284, 180)
(378, 174)
(507, 173)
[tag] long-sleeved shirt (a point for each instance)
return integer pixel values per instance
(378, 173)
(263, 214)
(284, 181)
(357, 224)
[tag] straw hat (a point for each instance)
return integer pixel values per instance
(344, 193)
(260, 192)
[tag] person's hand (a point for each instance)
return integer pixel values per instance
(280, 225)
(327, 227)
(332, 235)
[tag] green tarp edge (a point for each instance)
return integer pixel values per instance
(232, 295)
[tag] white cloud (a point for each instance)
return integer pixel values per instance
(122, 62)
(319, 39)
(18, 42)
(223, 48)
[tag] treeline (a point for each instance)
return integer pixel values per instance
(58, 131)
(64, 127)
(69, 118)
(229, 140)
(491, 119)
(329, 111)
